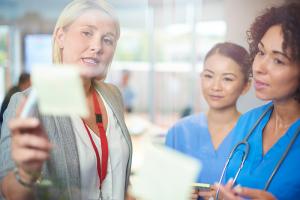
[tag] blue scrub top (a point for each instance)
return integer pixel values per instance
(258, 167)
(191, 136)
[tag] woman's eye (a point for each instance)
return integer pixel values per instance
(207, 76)
(108, 41)
(260, 52)
(278, 61)
(228, 79)
(87, 33)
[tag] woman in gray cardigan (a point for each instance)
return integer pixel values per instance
(84, 158)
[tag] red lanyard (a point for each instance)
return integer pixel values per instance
(101, 169)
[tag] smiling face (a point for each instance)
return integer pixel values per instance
(89, 42)
(276, 76)
(222, 82)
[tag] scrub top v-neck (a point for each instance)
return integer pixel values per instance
(258, 167)
(192, 137)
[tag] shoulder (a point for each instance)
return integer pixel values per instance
(189, 123)
(109, 88)
(248, 120)
(186, 131)
(196, 119)
(13, 90)
(255, 113)
(14, 102)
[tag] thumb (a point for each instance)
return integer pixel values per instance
(248, 192)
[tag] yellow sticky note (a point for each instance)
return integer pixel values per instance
(59, 90)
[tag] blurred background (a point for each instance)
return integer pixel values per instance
(159, 55)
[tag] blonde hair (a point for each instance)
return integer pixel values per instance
(69, 15)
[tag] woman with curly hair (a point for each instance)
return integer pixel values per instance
(270, 143)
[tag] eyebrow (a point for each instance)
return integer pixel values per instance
(232, 74)
(208, 71)
(94, 27)
(276, 52)
(224, 74)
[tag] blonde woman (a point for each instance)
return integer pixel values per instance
(86, 158)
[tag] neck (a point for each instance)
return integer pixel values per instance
(224, 116)
(87, 86)
(286, 113)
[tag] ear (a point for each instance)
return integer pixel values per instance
(60, 37)
(247, 86)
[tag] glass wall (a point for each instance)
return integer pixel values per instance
(162, 46)
(4, 59)
(164, 57)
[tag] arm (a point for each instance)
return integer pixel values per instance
(24, 146)
(239, 193)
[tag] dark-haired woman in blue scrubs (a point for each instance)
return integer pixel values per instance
(208, 136)
(271, 169)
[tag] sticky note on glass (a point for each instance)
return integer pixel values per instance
(59, 90)
(165, 174)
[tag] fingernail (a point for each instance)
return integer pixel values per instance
(238, 188)
(230, 180)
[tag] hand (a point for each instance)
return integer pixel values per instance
(30, 146)
(194, 195)
(129, 196)
(239, 193)
(209, 194)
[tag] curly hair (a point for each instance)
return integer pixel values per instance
(288, 17)
(235, 52)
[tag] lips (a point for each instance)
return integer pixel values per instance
(90, 61)
(215, 97)
(259, 85)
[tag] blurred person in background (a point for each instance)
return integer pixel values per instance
(271, 132)
(23, 84)
(208, 136)
(82, 158)
(127, 92)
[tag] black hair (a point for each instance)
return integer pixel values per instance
(288, 17)
(24, 77)
(235, 52)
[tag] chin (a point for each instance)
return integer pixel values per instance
(263, 97)
(217, 106)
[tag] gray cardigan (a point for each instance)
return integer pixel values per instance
(63, 166)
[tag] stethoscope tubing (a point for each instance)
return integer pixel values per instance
(246, 152)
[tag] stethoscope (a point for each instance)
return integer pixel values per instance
(245, 143)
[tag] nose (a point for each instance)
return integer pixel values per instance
(216, 84)
(96, 47)
(260, 65)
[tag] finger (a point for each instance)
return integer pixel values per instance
(237, 189)
(255, 193)
(26, 156)
(205, 193)
(250, 192)
(213, 187)
(228, 193)
(17, 125)
(194, 196)
(33, 141)
(229, 184)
